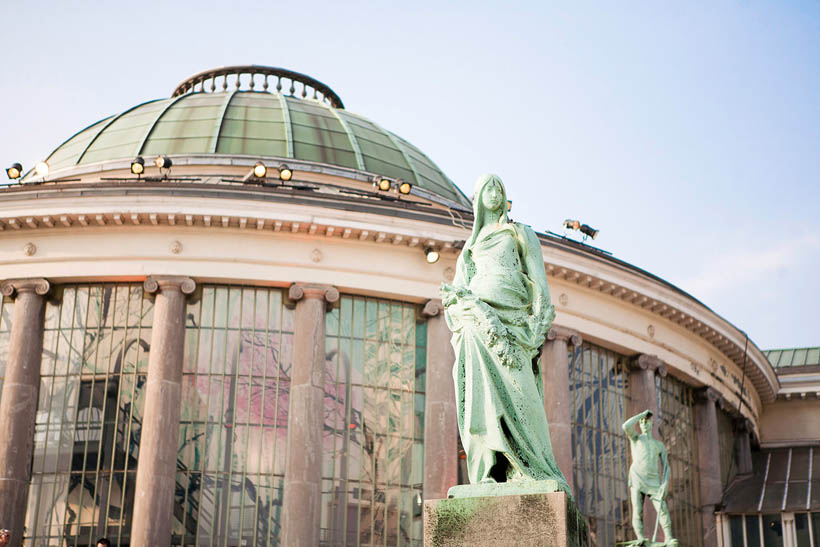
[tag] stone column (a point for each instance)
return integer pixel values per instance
(555, 378)
(711, 491)
(440, 424)
(18, 404)
(301, 503)
(644, 395)
(743, 445)
(159, 437)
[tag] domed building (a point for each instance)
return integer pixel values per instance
(220, 326)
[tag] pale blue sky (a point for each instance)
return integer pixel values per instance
(688, 132)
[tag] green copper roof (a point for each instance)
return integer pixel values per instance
(258, 124)
(794, 357)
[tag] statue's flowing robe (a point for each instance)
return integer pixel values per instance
(496, 339)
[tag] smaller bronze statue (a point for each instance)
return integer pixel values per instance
(645, 480)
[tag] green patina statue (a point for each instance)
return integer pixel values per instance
(499, 311)
(644, 479)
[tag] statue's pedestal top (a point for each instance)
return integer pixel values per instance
(528, 520)
(516, 488)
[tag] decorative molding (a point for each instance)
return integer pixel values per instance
(13, 287)
(299, 291)
(161, 283)
(707, 394)
(648, 362)
(572, 337)
(432, 308)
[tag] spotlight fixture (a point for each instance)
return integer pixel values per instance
(260, 171)
(41, 169)
(163, 162)
(382, 184)
(15, 171)
(285, 173)
(138, 166)
(588, 230)
(509, 205)
(404, 186)
(431, 255)
(585, 229)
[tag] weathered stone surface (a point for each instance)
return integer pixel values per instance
(440, 427)
(711, 489)
(156, 471)
(301, 502)
(514, 488)
(543, 520)
(557, 403)
(18, 405)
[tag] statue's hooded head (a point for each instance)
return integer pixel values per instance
(481, 214)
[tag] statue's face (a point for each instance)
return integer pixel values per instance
(492, 197)
(646, 424)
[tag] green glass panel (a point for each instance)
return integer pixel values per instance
(318, 135)
(123, 137)
(373, 451)
(233, 427)
(6, 311)
(598, 405)
(66, 155)
(87, 431)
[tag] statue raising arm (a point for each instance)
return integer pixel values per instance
(629, 425)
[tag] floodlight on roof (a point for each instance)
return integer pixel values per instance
(15, 171)
(382, 183)
(404, 186)
(163, 162)
(285, 172)
(138, 166)
(260, 170)
(431, 255)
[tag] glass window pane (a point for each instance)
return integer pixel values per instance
(753, 531)
(772, 531)
(233, 426)
(801, 528)
(87, 430)
(374, 409)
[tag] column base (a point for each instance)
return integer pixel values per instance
(529, 520)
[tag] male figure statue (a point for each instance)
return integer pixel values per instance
(644, 479)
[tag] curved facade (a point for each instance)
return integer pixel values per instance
(302, 393)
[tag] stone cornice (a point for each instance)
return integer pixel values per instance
(13, 287)
(591, 272)
(707, 394)
(432, 307)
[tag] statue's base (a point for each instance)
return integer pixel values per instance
(521, 520)
(518, 488)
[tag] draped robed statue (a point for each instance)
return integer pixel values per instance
(498, 309)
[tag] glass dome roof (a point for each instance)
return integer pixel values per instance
(254, 123)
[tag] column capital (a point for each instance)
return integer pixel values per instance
(432, 307)
(707, 394)
(571, 337)
(159, 283)
(299, 291)
(743, 425)
(648, 362)
(37, 285)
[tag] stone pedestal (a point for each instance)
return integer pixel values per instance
(543, 520)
